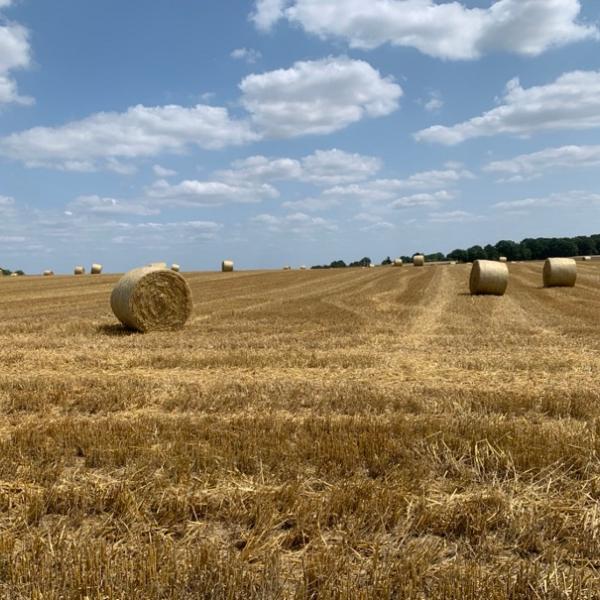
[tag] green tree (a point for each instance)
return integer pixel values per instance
(476, 253)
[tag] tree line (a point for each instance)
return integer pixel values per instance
(527, 249)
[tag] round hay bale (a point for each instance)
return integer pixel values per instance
(227, 266)
(287, 268)
(586, 258)
(398, 262)
(48, 273)
(151, 299)
(560, 272)
(452, 262)
(371, 266)
(14, 274)
(488, 277)
(503, 259)
(79, 270)
(418, 260)
(175, 267)
(303, 267)
(96, 269)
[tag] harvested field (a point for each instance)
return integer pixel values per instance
(352, 433)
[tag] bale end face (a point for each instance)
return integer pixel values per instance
(151, 299)
(488, 278)
(418, 260)
(560, 272)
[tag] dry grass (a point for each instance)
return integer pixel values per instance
(324, 434)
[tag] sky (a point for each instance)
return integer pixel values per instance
(277, 132)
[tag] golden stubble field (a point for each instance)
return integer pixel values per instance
(373, 433)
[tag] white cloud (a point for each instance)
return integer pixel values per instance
(424, 199)
(109, 206)
(311, 204)
(209, 193)
(374, 222)
(248, 55)
(97, 141)
(386, 190)
(434, 103)
(297, 223)
(267, 13)
(448, 30)
(455, 216)
(317, 97)
(567, 199)
(529, 166)
(323, 167)
(181, 232)
(163, 172)
(6, 201)
(15, 53)
(572, 102)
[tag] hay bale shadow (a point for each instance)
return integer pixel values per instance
(116, 330)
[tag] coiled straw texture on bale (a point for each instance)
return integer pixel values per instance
(398, 262)
(488, 277)
(418, 260)
(175, 267)
(560, 272)
(151, 299)
(78, 271)
(96, 269)
(227, 266)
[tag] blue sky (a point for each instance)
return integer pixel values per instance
(292, 131)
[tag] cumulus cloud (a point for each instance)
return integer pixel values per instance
(208, 193)
(6, 201)
(448, 30)
(248, 55)
(568, 199)
(454, 216)
(109, 206)
(434, 103)
(141, 131)
(15, 53)
(431, 199)
(297, 223)
(163, 172)
(572, 102)
(529, 166)
(317, 97)
(312, 97)
(323, 167)
(387, 190)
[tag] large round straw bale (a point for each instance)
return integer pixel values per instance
(149, 298)
(175, 267)
(418, 260)
(48, 273)
(79, 270)
(398, 262)
(227, 266)
(503, 259)
(96, 269)
(488, 277)
(560, 272)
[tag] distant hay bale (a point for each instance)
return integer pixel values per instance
(152, 299)
(227, 266)
(418, 260)
(158, 265)
(398, 262)
(371, 266)
(175, 267)
(503, 259)
(48, 273)
(303, 267)
(14, 274)
(79, 270)
(287, 268)
(560, 272)
(452, 262)
(488, 277)
(586, 258)
(96, 269)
